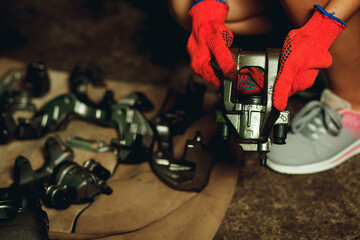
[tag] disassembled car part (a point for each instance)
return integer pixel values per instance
(85, 73)
(175, 119)
(251, 118)
(61, 181)
(188, 174)
(136, 135)
(21, 216)
(131, 124)
(86, 144)
(36, 83)
(191, 173)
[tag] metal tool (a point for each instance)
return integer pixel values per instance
(250, 119)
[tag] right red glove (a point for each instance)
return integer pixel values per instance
(209, 39)
(305, 52)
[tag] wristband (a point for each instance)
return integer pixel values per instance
(198, 1)
(329, 15)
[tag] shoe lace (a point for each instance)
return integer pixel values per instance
(331, 120)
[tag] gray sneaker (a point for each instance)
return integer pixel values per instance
(323, 135)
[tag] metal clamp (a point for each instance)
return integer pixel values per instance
(251, 118)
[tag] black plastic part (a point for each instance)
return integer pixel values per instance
(7, 127)
(97, 169)
(181, 110)
(262, 160)
(87, 72)
(37, 80)
(253, 99)
(58, 197)
(280, 133)
(60, 181)
(78, 183)
(223, 131)
(188, 174)
(21, 216)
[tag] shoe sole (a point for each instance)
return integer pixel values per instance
(341, 157)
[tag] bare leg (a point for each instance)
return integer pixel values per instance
(344, 73)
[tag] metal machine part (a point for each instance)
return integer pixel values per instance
(175, 119)
(251, 118)
(138, 101)
(131, 124)
(60, 181)
(55, 114)
(13, 98)
(8, 79)
(85, 73)
(136, 135)
(21, 216)
(97, 169)
(91, 164)
(189, 174)
(15, 101)
(7, 127)
(54, 155)
(97, 146)
(74, 183)
(7, 122)
(11, 102)
(176, 114)
(37, 81)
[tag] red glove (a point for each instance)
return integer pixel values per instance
(250, 80)
(305, 52)
(209, 39)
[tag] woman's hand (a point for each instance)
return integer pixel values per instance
(210, 39)
(305, 52)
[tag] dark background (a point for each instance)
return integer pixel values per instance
(139, 41)
(121, 36)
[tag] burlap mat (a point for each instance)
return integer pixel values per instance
(141, 206)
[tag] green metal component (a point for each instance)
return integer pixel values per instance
(97, 146)
(219, 117)
(130, 123)
(56, 111)
(132, 126)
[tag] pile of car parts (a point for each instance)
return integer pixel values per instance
(135, 141)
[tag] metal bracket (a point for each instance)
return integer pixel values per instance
(251, 118)
(191, 173)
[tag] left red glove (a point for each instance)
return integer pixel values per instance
(210, 39)
(305, 52)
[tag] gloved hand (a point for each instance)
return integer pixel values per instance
(250, 80)
(304, 53)
(210, 39)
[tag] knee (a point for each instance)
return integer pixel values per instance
(300, 11)
(244, 18)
